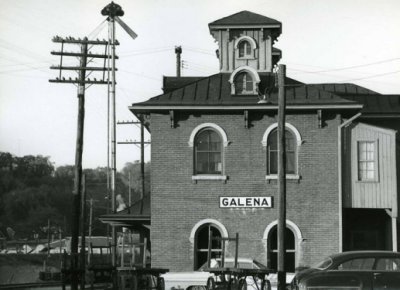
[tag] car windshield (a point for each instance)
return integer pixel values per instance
(324, 264)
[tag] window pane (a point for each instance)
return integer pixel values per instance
(215, 141)
(248, 48)
(273, 140)
(273, 162)
(366, 160)
(249, 83)
(357, 264)
(241, 49)
(388, 264)
(239, 83)
(215, 163)
(202, 162)
(290, 145)
(208, 148)
(290, 162)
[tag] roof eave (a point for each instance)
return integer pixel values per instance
(141, 109)
(241, 26)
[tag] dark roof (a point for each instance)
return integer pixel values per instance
(138, 216)
(377, 104)
(215, 91)
(245, 18)
(173, 83)
(345, 88)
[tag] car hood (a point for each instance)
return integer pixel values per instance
(186, 276)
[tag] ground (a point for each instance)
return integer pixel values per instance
(25, 268)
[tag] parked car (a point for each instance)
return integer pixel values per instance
(197, 280)
(370, 270)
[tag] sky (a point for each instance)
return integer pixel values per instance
(340, 41)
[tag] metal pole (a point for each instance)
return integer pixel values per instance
(281, 178)
(142, 162)
(113, 138)
(78, 171)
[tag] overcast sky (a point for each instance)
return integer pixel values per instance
(322, 41)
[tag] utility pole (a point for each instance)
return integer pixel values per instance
(142, 144)
(281, 178)
(81, 81)
(83, 235)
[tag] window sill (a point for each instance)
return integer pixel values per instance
(288, 176)
(367, 181)
(209, 177)
(246, 57)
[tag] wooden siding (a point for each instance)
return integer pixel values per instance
(382, 191)
(229, 59)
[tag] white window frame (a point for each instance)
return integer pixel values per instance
(251, 42)
(225, 143)
(375, 161)
(254, 75)
(298, 141)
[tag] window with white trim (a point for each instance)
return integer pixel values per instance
(367, 160)
(244, 83)
(245, 49)
(293, 143)
(202, 239)
(208, 152)
(272, 152)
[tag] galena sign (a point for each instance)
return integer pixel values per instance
(244, 202)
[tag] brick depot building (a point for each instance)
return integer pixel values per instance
(214, 159)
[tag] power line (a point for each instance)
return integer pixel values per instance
(373, 76)
(350, 67)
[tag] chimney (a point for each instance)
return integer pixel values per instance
(178, 51)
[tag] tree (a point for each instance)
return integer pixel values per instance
(136, 183)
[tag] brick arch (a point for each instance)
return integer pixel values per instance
(217, 224)
(208, 125)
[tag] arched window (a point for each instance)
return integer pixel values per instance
(208, 152)
(244, 83)
(202, 238)
(290, 243)
(272, 152)
(245, 48)
(293, 142)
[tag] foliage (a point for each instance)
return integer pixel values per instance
(32, 192)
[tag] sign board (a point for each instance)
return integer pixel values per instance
(245, 202)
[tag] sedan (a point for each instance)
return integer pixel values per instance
(370, 270)
(197, 280)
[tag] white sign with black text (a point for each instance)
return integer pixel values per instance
(245, 202)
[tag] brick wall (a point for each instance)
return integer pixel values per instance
(178, 203)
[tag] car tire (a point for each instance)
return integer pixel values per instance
(210, 283)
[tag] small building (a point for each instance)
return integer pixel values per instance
(214, 159)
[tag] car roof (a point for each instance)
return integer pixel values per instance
(355, 254)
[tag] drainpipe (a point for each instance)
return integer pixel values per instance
(340, 182)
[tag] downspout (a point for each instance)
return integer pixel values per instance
(340, 182)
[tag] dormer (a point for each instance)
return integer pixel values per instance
(246, 39)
